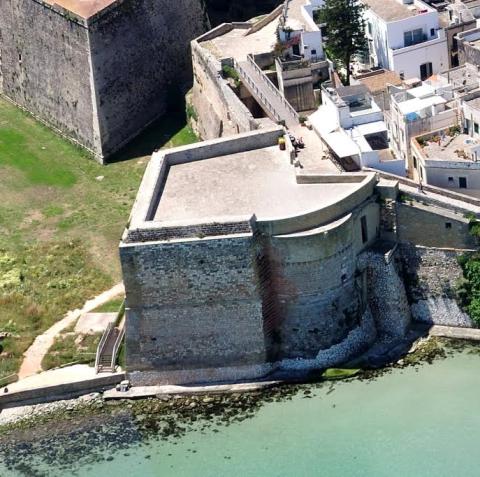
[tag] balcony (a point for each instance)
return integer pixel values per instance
(425, 40)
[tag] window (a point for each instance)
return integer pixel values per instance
(475, 128)
(462, 182)
(414, 162)
(450, 179)
(363, 222)
(425, 71)
(448, 225)
(432, 31)
(313, 52)
(413, 37)
(369, 28)
(402, 75)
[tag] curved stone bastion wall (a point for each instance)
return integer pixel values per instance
(314, 295)
(235, 304)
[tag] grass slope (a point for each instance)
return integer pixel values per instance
(61, 218)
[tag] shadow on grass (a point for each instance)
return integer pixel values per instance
(159, 134)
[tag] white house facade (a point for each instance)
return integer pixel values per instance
(405, 37)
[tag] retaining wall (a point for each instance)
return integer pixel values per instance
(219, 110)
(430, 277)
(60, 391)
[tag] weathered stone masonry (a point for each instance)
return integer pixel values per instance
(238, 297)
(98, 80)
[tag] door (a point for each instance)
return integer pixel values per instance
(462, 182)
(425, 71)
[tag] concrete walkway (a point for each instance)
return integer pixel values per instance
(138, 392)
(455, 332)
(32, 362)
(54, 377)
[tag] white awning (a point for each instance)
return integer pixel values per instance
(371, 128)
(341, 144)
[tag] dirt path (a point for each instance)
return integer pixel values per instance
(32, 361)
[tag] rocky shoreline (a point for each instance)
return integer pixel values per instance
(100, 428)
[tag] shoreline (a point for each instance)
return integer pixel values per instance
(93, 429)
(424, 350)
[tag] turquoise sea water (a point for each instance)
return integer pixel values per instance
(410, 422)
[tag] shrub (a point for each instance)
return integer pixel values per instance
(421, 141)
(454, 130)
(474, 311)
(191, 112)
(468, 288)
(229, 72)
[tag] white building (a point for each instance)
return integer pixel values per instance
(450, 157)
(351, 124)
(299, 30)
(416, 111)
(406, 37)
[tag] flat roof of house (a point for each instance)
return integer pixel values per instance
(449, 149)
(82, 8)
(261, 182)
(352, 90)
(417, 104)
(379, 81)
(295, 19)
(474, 103)
(422, 91)
(236, 44)
(465, 76)
(392, 10)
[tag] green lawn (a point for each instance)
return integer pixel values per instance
(61, 218)
(112, 306)
(71, 348)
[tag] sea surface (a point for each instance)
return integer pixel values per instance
(417, 421)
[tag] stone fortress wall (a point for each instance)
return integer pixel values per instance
(243, 297)
(99, 80)
(219, 110)
(239, 304)
(45, 67)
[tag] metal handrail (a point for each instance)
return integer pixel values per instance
(117, 345)
(101, 345)
(270, 85)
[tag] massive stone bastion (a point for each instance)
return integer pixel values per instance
(98, 71)
(237, 264)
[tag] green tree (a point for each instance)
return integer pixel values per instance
(345, 31)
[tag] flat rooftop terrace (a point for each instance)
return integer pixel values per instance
(82, 8)
(260, 182)
(392, 10)
(236, 44)
(295, 17)
(449, 149)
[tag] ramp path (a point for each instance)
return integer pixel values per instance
(314, 158)
(266, 93)
(32, 362)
